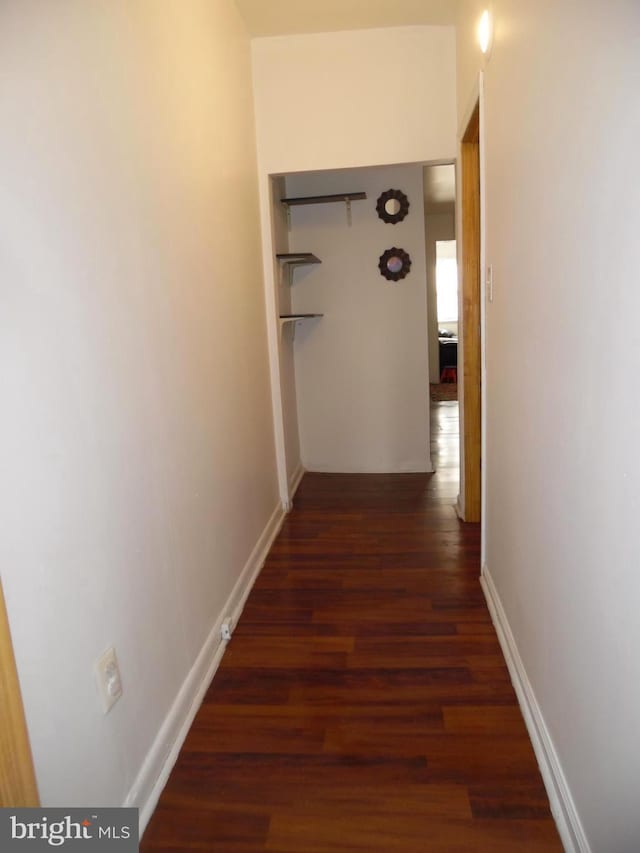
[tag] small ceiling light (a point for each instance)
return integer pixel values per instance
(485, 32)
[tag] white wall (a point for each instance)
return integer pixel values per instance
(136, 448)
(563, 217)
(438, 226)
(362, 370)
(357, 98)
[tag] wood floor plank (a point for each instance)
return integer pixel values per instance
(300, 832)
(263, 798)
(363, 703)
(511, 801)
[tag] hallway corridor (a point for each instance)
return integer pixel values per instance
(363, 703)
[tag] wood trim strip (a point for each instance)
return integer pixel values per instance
(17, 777)
(470, 161)
(472, 131)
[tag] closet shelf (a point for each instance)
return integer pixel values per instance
(298, 259)
(292, 318)
(323, 199)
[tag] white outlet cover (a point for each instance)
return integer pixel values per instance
(108, 679)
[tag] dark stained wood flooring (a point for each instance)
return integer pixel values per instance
(363, 703)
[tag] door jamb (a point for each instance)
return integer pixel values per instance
(475, 510)
(18, 787)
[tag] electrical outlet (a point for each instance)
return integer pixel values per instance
(227, 628)
(108, 678)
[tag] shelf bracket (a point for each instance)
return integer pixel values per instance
(292, 326)
(347, 202)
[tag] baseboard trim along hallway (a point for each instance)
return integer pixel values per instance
(162, 756)
(562, 805)
(294, 482)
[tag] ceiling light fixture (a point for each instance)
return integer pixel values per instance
(485, 32)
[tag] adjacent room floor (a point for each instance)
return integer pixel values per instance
(363, 702)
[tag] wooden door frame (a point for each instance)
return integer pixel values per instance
(472, 404)
(17, 777)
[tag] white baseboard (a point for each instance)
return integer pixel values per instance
(410, 468)
(459, 508)
(165, 749)
(562, 806)
(294, 482)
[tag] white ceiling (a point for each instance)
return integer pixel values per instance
(439, 188)
(287, 17)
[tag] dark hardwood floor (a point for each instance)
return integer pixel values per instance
(363, 703)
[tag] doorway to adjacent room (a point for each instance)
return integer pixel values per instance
(442, 293)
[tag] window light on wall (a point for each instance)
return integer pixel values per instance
(447, 281)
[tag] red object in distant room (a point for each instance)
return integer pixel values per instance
(449, 374)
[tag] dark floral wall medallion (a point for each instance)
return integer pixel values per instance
(394, 264)
(392, 206)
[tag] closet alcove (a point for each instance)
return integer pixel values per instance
(353, 353)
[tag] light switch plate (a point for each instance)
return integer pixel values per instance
(108, 678)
